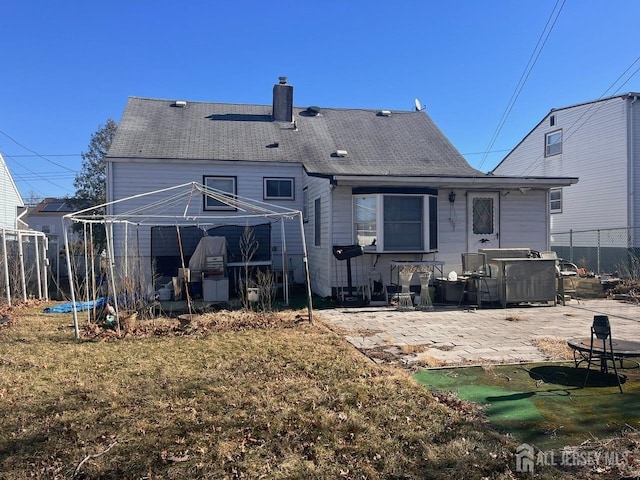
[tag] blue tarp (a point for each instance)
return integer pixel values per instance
(68, 307)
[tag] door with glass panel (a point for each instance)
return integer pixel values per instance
(483, 223)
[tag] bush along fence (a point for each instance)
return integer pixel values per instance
(23, 265)
(607, 251)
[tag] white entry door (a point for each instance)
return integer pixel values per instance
(483, 220)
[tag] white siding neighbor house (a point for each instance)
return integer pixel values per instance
(598, 142)
(387, 181)
(11, 203)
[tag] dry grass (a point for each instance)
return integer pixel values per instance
(408, 349)
(267, 402)
(554, 348)
(428, 360)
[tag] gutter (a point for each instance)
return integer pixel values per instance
(456, 182)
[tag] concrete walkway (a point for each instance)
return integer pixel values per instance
(458, 336)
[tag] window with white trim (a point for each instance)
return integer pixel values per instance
(305, 204)
(220, 186)
(390, 222)
(553, 143)
(278, 189)
(555, 200)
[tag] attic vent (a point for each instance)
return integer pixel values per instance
(180, 104)
(313, 111)
(384, 113)
(341, 153)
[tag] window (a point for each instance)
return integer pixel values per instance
(403, 223)
(317, 215)
(305, 204)
(553, 143)
(396, 222)
(220, 186)
(482, 211)
(555, 200)
(278, 189)
(365, 219)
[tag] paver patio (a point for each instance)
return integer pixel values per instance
(456, 336)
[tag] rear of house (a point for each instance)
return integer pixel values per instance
(389, 182)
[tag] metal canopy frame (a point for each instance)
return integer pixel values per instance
(187, 198)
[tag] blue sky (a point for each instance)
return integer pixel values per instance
(68, 66)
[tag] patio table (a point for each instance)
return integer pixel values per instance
(622, 349)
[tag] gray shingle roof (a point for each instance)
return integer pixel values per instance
(404, 143)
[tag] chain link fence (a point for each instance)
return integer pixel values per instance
(608, 251)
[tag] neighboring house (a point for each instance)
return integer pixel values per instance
(599, 142)
(11, 203)
(387, 180)
(46, 217)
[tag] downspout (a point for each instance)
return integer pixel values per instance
(631, 171)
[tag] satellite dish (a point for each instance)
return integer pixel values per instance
(416, 102)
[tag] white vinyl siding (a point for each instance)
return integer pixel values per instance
(321, 260)
(594, 149)
(11, 198)
(131, 178)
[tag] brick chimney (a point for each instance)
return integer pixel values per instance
(282, 101)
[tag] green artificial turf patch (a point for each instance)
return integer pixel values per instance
(544, 404)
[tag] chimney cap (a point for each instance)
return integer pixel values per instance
(282, 80)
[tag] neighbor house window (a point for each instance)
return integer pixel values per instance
(305, 204)
(555, 200)
(553, 143)
(317, 215)
(395, 221)
(278, 189)
(220, 187)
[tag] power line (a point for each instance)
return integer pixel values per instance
(38, 177)
(34, 152)
(593, 108)
(49, 155)
(533, 59)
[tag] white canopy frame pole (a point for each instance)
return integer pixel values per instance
(108, 227)
(126, 250)
(86, 270)
(5, 257)
(72, 289)
(22, 271)
(305, 261)
(93, 266)
(285, 265)
(45, 267)
(38, 271)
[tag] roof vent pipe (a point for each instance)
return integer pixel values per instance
(282, 101)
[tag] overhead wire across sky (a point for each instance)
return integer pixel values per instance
(593, 108)
(533, 58)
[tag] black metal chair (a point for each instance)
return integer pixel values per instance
(601, 330)
(476, 271)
